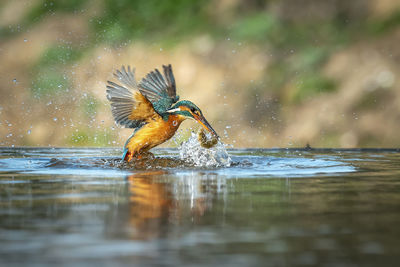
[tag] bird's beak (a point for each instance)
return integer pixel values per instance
(206, 125)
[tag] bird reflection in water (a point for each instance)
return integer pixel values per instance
(156, 202)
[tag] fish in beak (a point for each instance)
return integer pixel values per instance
(206, 125)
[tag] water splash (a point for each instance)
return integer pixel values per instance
(192, 152)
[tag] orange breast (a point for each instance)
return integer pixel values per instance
(156, 132)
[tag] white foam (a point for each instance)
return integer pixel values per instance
(191, 151)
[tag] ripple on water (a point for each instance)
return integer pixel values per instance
(190, 156)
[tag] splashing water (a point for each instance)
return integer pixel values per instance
(192, 152)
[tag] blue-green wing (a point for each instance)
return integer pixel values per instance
(160, 89)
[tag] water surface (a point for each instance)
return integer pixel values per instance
(276, 207)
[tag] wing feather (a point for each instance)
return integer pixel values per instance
(160, 89)
(171, 89)
(129, 107)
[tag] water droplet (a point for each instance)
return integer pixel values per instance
(161, 49)
(29, 132)
(15, 81)
(25, 40)
(174, 123)
(191, 151)
(54, 119)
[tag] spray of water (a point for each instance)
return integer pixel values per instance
(193, 152)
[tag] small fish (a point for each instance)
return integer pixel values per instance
(204, 141)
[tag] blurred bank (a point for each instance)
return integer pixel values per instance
(265, 73)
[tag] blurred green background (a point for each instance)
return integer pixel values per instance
(265, 73)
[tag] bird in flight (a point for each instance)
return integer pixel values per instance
(151, 107)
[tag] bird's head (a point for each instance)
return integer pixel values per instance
(189, 110)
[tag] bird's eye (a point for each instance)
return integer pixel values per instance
(192, 110)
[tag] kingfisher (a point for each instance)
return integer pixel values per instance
(151, 107)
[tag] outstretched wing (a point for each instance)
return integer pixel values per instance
(129, 107)
(159, 89)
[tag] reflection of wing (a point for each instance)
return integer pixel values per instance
(159, 89)
(129, 107)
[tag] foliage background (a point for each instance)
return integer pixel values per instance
(266, 73)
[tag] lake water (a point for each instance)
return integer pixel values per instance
(270, 207)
